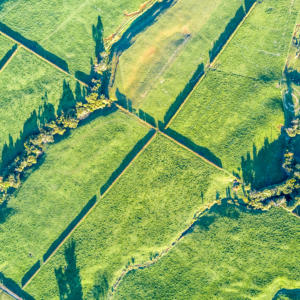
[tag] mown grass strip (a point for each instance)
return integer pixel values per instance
(210, 65)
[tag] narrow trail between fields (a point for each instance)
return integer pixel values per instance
(42, 58)
(210, 65)
(9, 292)
(132, 160)
(173, 139)
(12, 54)
(100, 196)
(165, 251)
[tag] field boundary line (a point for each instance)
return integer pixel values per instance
(43, 58)
(9, 292)
(195, 153)
(200, 213)
(59, 245)
(211, 65)
(10, 58)
(99, 197)
(130, 163)
(172, 139)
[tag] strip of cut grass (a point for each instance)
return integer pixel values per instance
(231, 254)
(235, 117)
(145, 211)
(162, 60)
(260, 47)
(65, 27)
(26, 84)
(5, 46)
(72, 173)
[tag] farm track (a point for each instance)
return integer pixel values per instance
(41, 57)
(14, 52)
(100, 196)
(149, 263)
(9, 292)
(172, 139)
(210, 65)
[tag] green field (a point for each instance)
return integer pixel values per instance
(72, 173)
(229, 115)
(64, 27)
(4, 296)
(260, 47)
(157, 67)
(5, 46)
(238, 118)
(231, 254)
(144, 212)
(26, 85)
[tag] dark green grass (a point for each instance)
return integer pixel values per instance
(26, 84)
(231, 254)
(144, 212)
(5, 46)
(156, 69)
(238, 120)
(64, 27)
(260, 47)
(73, 172)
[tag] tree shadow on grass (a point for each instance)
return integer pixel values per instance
(45, 113)
(5, 212)
(100, 288)
(139, 25)
(97, 34)
(226, 209)
(264, 167)
(184, 93)
(6, 57)
(206, 153)
(34, 46)
(14, 287)
(70, 227)
(68, 277)
(126, 161)
(284, 294)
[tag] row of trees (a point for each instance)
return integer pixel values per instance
(35, 144)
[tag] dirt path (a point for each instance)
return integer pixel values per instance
(165, 251)
(9, 292)
(210, 65)
(9, 59)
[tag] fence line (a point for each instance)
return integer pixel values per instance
(211, 65)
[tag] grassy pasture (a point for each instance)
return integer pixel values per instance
(235, 117)
(260, 47)
(64, 27)
(157, 67)
(5, 46)
(26, 85)
(230, 254)
(53, 195)
(145, 211)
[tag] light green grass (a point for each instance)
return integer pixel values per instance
(231, 254)
(5, 46)
(25, 85)
(64, 27)
(230, 114)
(144, 212)
(260, 47)
(53, 195)
(4, 296)
(157, 67)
